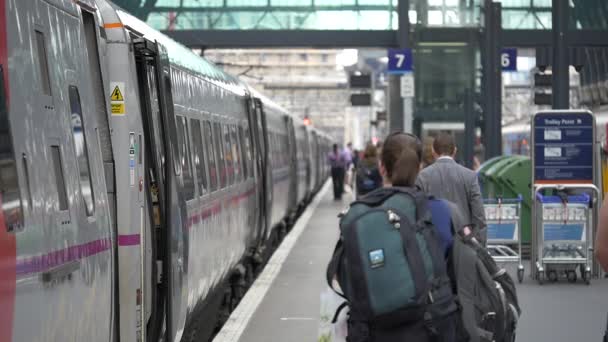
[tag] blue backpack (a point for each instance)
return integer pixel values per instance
(391, 269)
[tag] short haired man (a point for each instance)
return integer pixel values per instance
(449, 180)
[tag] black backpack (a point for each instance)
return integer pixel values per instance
(368, 178)
(486, 293)
(392, 271)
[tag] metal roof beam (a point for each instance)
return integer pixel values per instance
(369, 38)
(310, 8)
(284, 38)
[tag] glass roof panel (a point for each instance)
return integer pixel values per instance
(356, 14)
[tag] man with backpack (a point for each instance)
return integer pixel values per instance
(403, 273)
(367, 173)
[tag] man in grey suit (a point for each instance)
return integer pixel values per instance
(449, 180)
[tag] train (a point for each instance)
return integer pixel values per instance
(141, 187)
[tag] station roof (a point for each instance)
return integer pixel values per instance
(350, 14)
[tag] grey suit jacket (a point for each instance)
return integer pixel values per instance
(448, 180)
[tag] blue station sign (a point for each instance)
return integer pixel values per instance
(508, 59)
(563, 147)
(400, 61)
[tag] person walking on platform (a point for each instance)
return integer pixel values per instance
(367, 174)
(449, 180)
(397, 289)
(337, 161)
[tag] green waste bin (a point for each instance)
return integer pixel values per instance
(482, 173)
(493, 185)
(515, 179)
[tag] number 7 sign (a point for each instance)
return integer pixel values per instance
(400, 61)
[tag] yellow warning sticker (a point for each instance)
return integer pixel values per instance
(118, 108)
(116, 95)
(117, 100)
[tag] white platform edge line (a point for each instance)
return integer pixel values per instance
(239, 319)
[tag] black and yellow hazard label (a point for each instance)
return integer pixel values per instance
(118, 108)
(116, 95)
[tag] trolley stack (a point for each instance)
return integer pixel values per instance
(563, 237)
(503, 219)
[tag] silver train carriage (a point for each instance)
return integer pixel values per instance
(139, 184)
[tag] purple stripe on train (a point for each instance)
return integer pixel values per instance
(128, 240)
(41, 263)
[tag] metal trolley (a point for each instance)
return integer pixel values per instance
(563, 228)
(503, 219)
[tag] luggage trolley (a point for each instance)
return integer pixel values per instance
(503, 219)
(563, 228)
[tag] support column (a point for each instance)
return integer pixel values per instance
(469, 128)
(561, 70)
(396, 105)
(492, 79)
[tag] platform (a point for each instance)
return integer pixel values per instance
(283, 304)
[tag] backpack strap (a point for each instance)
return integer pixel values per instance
(376, 197)
(334, 266)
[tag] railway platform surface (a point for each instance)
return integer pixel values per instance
(283, 304)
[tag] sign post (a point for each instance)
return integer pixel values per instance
(563, 147)
(564, 160)
(508, 59)
(401, 62)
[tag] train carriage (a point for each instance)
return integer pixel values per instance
(137, 181)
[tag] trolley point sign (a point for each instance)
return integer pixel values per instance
(563, 147)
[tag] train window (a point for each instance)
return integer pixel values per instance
(82, 155)
(236, 153)
(250, 151)
(210, 151)
(199, 156)
(245, 153)
(59, 178)
(10, 197)
(228, 156)
(219, 153)
(43, 64)
(273, 150)
(26, 173)
(183, 156)
(282, 150)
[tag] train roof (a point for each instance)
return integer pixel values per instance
(266, 101)
(181, 56)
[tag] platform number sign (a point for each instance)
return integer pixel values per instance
(508, 59)
(400, 61)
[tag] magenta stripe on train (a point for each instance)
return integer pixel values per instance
(128, 240)
(41, 263)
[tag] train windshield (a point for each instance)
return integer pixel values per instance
(10, 198)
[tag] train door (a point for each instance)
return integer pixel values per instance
(167, 208)
(91, 34)
(293, 163)
(260, 138)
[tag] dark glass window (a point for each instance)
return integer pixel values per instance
(220, 154)
(198, 155)
(10, 197)
(236, 153)
(209, 147)
(43, 64)
(183, 156)
(245, 155)
(59, 178)
(228, 156)
(82, 155)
